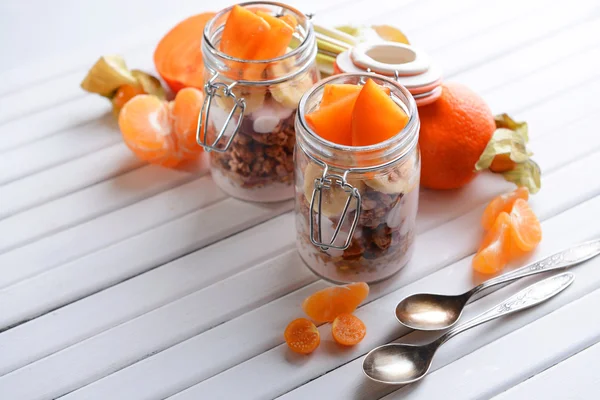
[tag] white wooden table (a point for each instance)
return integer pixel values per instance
(120, 280)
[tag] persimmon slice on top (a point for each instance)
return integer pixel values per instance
(526, 232)
(335, 91)
(376, 117)
(502, 203)
(244, 33)
(325, 305)
(494, 251)
(302, 336)
(333, 122)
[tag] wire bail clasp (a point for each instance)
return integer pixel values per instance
(211, 88)
(327, 182)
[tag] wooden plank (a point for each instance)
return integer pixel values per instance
(151, 290)
(480, 378)
(88, 203)
(574, 378)
(124, 260)
(42, 255)
(47, 185)
(276, 371)
(255, 337)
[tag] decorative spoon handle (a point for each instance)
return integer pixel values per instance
(528, 297)
(566, 258)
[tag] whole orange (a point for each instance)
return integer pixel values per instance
(454, 132)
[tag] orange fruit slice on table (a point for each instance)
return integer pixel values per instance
(325, 305)
(333, 92)
(333, 122)
(348, 329)
(302, 336)
(494, 252)
(526, 232)
(376, 117)
(502, 203)
(178, 55)
(146, 126)
(185, 111)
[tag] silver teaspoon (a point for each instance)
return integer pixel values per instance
(397, 363)
(429, 312)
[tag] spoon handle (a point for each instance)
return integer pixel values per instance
(566, 258)
(528, 297)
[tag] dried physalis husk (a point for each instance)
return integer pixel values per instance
(506, 153)
(110, 77)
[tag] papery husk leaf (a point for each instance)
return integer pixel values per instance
(527, 174)
(149, 83)
(504, 141)
(107, 75)
(505, 121)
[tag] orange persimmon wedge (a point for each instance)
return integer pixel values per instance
(185, 111)
(333, 122)
(244, 34)
(290, 20)
(302, 336)
(376, 117)
(335, 91)
(526, 232)
(501, 203)
(178, 56)
(325, 305)
(348, 329)
(276, 41)
(494, 251)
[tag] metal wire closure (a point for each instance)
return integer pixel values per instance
(327, 181)
(211, 88)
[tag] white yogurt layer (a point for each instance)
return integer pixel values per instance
(270, 193)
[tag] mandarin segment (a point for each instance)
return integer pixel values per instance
(348, 330)
(502, 203)
(494, 252)
(302, 336)
(325, 305)
(185, 112)
(146, 126)
(526, 232)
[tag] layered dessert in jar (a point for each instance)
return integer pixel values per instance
(260, 60)
(357, 163)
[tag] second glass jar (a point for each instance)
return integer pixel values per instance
(250, 107)
(356, 206)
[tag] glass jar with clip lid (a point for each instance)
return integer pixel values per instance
(356, 205)
(247, 120)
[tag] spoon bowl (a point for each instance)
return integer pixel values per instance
(429, 312)
(398, 363)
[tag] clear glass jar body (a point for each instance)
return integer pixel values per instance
(253, 160)
(385, 175)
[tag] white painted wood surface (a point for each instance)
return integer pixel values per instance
(120, 280)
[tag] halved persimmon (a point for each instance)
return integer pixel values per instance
(494, 252)
(526, 232)
(325, 305)
(502, 203)
(368, 125)
(302, 336)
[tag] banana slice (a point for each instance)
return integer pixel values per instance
(402, 179)
(289, 93)
(334, 199)
(253, 96)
